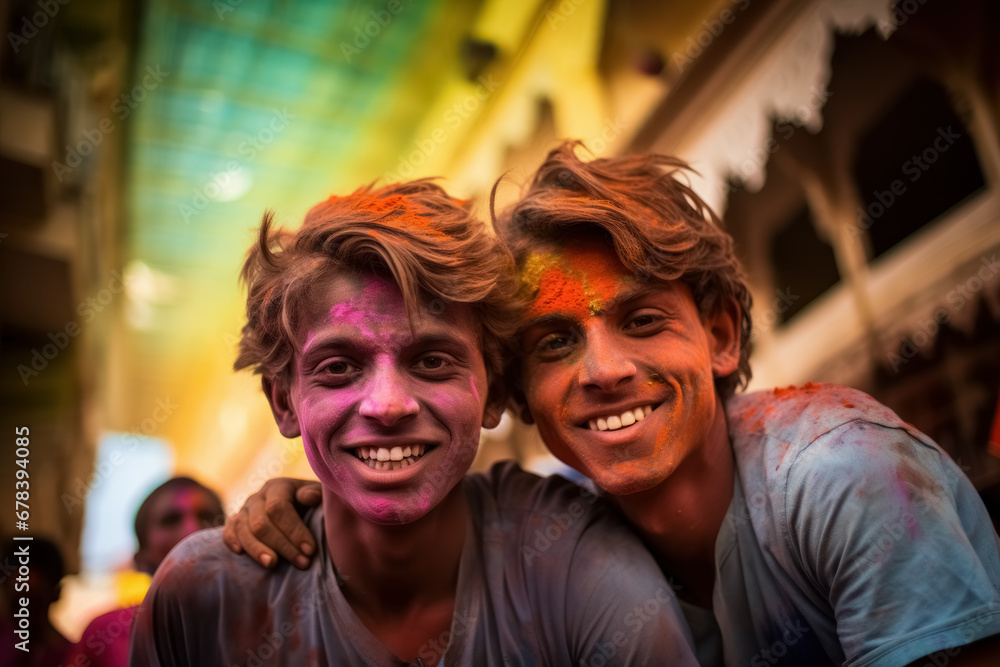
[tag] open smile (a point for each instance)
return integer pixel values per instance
(624, 419)
(391, 458)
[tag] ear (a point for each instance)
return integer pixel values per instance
(526, 414)
(496, 399)
(723, 329)
(282, 407)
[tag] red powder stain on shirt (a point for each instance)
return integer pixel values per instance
(784, 450)
(791, 390)
(847, 404)
(559, 293)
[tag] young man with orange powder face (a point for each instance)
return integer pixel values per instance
(806, 526)
(376, 328)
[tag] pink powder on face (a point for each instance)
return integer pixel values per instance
(376, 292)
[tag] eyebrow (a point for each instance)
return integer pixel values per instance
(426, 339)
(612, 304)
(632, 295)
(318, 345)
(548, 318)
(433, 338)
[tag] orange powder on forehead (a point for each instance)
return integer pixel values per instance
(577, 282)
(603, 273)
(559, 293)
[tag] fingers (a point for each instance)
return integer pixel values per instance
(268, 524)
(309, 494)
(280, 527)
(229, 536)
(237, 537)
(256, 549)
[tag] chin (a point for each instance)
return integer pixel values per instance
(394, 512)
(626, 479)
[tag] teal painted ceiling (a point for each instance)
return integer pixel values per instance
(243, 106)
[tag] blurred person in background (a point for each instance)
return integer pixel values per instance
(175, 509)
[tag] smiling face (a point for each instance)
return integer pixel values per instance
(618, 374)
(389, 415)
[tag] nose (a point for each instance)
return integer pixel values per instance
(604, 365)
(190, 524)
(388, 400)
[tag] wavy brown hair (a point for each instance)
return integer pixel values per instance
(413, 233)
(659, 227)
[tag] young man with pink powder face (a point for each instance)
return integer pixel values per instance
(805, 526)
(377, 331)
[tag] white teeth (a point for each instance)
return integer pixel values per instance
(615, 422)
(390, 458)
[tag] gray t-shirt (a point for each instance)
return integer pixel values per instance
(852, 538)
(549, 576)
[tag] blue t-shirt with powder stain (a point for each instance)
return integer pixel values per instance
(852, 538)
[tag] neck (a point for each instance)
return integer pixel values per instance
(680, 517)
(390, 571)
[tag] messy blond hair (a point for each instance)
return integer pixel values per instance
(413, 233)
